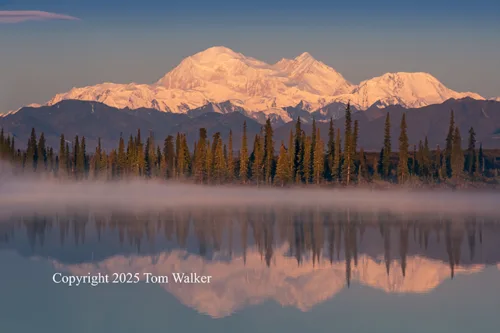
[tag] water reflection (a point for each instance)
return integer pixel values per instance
(297, 258)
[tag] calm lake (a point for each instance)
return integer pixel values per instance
(272, 270)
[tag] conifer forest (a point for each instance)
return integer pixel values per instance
(304, 159)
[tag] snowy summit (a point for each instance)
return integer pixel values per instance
(219, 74)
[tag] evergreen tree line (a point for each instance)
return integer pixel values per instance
(305, 159)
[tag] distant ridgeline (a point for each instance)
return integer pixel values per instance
(302, 159)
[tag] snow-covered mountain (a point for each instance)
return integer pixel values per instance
(220, 74)
(240, 282)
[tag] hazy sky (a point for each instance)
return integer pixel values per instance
(139, 41)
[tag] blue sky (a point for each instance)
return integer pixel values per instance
(139, 41)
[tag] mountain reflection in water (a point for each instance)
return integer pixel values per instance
(296, 258)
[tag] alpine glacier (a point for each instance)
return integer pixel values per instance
(220, 74)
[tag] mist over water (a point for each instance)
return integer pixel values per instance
(22, 195)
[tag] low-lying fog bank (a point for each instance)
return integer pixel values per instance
(35, 195)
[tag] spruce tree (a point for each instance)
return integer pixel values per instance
(438, 168)
(319, 158)
(219, 159)
(139, 153)
(449, 145)
(386, 163)
(147, 159)
(209, 163)
(42, 152)
(457, 156)
(268, 152)
(257, 160)
(230, 158)
(187, 156)
(348, 165)
(32, 152)
(169, 155)
(470, 162)
(69, 163)
(201, 156)
(82, 158)
(355, 138)
(161, 165)
(426, 160)
(76, 154)
(291, 153)
(98, 159)
(121, 162)
(308, 151)
(403, 173)
(363, 167)
(480, 158)
(50, 160)
(61, 168)
(313, 146)
(131, 155)
(283, 167)
(180, 157)
(298, 151)
(336, 172)
(243, 172)
(330, 154)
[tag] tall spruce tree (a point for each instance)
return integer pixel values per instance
(230, 158)
(337, 161)
(268, 152)
(32, 152)
(363, 166)
(298, 151)
(82, 158)
(147, 159)
(355, 138)
(308, 151)
(319, 158)
(330, 154)
(76, 154)
(244, 156)
(348, 165)
(438, 168)
(180, 157)
(257, 160)
(470, 161)
(449, 145)
(121, 162)
(169, 155)
(98, 169)
(42, 152)
(457, 156)
(219, 159)
(386, 163)
(403, 173)
(61, 168)
(282, 167)
(480, 158)
(201, 156)
(426, 160)
(131, 155)
(209, 162)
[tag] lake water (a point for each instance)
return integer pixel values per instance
(272, 270)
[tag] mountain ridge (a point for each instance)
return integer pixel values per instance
(219, 74)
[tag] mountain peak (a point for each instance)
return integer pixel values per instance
(306, 56)
(216, 53)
